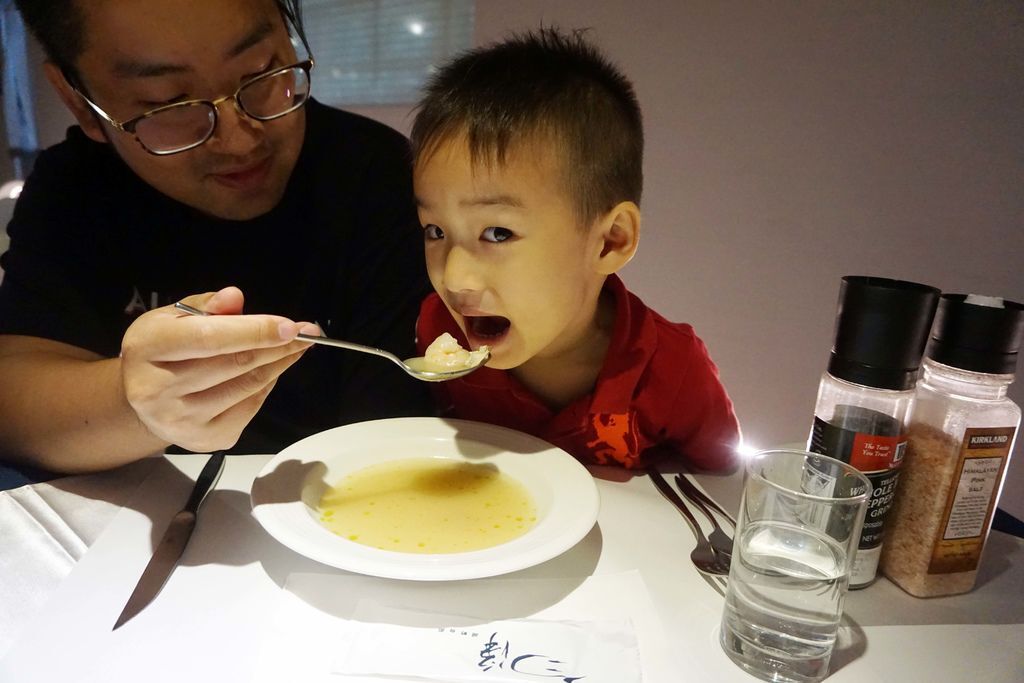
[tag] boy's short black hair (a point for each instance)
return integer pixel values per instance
(58, 26)
(545, 86)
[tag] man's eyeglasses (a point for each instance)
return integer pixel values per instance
(182, 126)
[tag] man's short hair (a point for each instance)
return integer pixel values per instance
(548, 87)
(58, 26)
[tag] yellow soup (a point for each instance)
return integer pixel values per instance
(428, 505)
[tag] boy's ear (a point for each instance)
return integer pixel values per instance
(619, 232)
(85, 116)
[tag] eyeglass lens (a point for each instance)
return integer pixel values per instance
(184, 126)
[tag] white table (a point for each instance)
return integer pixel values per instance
(211, 620)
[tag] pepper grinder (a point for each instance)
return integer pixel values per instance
(865, 395)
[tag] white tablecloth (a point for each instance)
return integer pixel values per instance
(215, 614)
(46, 528)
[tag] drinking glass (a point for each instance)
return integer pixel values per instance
(798, 529)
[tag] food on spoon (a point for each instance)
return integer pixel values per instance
(445, 354)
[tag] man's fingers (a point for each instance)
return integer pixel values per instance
(197, 375)
(235, 418)
(197, 380)
(223, 430)
(221, 397)
(256, 367)
(181, 338)
(227, 301)
(169, 334)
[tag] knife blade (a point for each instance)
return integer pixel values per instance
(172, 544)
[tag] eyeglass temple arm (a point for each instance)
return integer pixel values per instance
(79, 90)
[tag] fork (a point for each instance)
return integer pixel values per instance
(703, 556)
(720, 540)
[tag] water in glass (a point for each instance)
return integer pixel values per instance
(786, 588)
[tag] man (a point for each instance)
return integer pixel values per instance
(199, 171)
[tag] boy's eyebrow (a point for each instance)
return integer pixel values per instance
(140, 69)
(493, 200)
(485, 200)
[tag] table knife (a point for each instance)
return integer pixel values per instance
(172, 544)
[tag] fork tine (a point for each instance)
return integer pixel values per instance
(717, 564)
(720, 541)
(717, 582)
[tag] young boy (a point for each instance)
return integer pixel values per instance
(528, 172)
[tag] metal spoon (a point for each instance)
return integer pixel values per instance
(412, 366)
(703, 556)
(689, 487)
(720, 540)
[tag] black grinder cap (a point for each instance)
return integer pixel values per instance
(977, 337)
(881, 329)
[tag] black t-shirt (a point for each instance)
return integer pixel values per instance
(93, 246)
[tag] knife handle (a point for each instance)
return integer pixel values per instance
(206, 481)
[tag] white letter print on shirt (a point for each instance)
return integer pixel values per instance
(137, 305)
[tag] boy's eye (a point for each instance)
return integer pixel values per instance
(497, 234)
(432, 232)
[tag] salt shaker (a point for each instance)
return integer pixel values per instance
(961, 433)
(865, 395)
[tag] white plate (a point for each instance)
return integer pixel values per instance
(286, 492)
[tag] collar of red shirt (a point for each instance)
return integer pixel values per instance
(633, 342)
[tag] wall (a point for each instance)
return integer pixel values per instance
(52, 118)
(792, 143)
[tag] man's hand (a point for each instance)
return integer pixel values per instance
(197, 381)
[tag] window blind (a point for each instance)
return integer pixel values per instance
(374, 52)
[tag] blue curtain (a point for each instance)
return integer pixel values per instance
(19, 114)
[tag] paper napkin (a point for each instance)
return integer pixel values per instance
(508, 651)
(343, 628)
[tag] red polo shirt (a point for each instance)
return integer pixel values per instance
(658, 387)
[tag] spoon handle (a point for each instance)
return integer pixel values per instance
(327, 341)
(191, 310)
(351, 346)
(424, 375)
(689, 488)
(703, 556)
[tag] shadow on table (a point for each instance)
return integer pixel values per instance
(438, 604)
(885, 604)
(13, 476)
(226, 532)
(232, 536)
(996, 559)
(851, 644)
(229, 533)
(290, 482)
(83, 505)
(118, 486)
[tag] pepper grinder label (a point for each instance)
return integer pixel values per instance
(878, 457)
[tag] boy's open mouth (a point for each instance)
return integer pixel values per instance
(488, 326)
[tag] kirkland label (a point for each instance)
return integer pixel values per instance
(971, 500)
(878, 457)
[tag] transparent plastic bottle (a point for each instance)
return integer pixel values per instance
(961, 433)
(866, 393)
